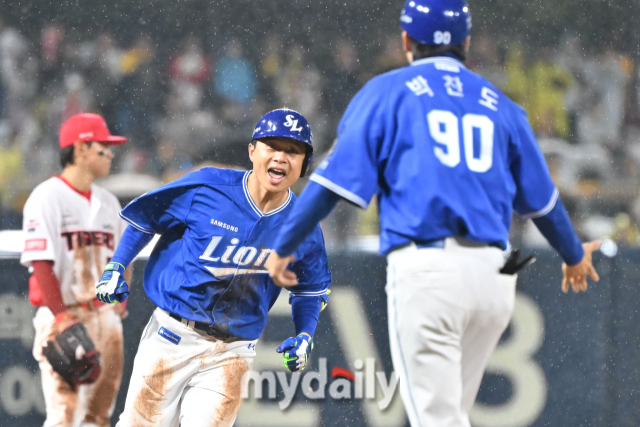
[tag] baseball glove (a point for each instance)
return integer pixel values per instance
(73, 356)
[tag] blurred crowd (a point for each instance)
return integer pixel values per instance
(584, 106)
(191, 103)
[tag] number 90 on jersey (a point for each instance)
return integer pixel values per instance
(444, 129)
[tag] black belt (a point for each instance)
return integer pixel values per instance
(439, 243)
(200, 326)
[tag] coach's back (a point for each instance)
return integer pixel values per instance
(447, 153)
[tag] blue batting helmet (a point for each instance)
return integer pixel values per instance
(285, 123)
(436, 22)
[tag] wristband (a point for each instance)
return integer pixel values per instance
(114, 266)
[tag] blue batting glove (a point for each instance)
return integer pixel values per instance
(296, 351)
(112, 287)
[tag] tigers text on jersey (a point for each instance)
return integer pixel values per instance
(208, 265)
(447, 153)
(77, 233)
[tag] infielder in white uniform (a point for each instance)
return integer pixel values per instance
(449, 158)
(71, 229)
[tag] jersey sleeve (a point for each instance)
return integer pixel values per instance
(536, 194)
(311, 267)
(351, 170)
(159, 209)
(41, 228)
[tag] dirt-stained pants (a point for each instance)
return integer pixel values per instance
(88, 405)
(182, 376)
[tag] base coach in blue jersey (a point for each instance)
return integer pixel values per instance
(449, 158)
(206, 274)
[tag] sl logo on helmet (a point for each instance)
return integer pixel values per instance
(293, 124)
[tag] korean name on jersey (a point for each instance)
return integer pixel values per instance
(436, 137)
(208, 265)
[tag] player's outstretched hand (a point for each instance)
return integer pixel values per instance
(277, 267)
(576, 275)
(296, 351)
(112, 287)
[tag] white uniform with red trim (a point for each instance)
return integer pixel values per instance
(79, 233)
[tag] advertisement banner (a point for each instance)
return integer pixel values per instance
(565, 359)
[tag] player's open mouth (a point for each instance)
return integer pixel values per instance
(276, 175)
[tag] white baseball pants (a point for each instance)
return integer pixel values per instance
(447, 309)
(182, 376)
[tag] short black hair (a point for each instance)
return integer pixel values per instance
(66, 156)
(420, 51)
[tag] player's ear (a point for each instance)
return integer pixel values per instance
(406, 46)
(251, 148)
(467, 43)
(79, 150)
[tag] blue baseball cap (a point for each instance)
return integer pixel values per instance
(436, 22)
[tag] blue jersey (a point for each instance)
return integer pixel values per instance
(446, 153)
(208, 265)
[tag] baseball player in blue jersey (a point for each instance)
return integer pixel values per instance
(449, 158)
(206, 274)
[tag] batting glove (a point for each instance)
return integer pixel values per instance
(296, 351)
(112, 287)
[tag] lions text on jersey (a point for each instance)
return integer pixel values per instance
(208, 265)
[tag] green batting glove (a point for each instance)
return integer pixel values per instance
(296, 351)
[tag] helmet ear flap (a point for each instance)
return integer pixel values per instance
(306, 164)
